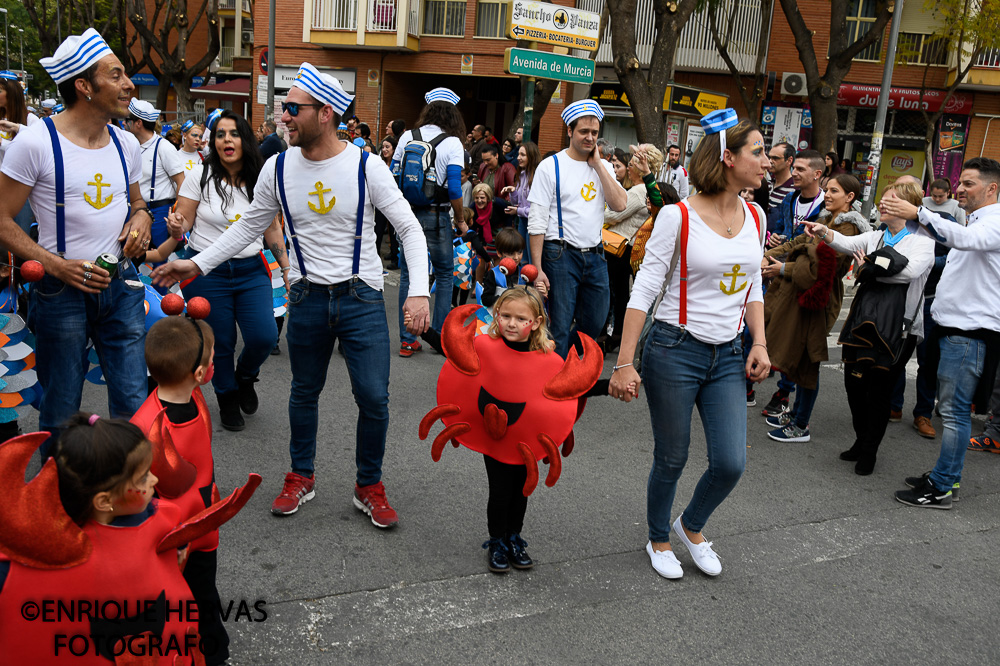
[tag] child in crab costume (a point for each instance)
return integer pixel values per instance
(88, 559)
(513, 424)
(179, 353)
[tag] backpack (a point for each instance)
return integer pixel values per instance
(418, 174)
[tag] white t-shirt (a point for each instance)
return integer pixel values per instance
(582, 201)
(168, 163)
(211, 220)
(6, 139)
(189, 160)
(449, 152)
(806, 209)
(677, 177)
(723, 275)
(323, 201)
(95, 188)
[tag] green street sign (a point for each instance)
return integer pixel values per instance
(545, 65)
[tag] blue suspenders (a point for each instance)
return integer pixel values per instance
(280, 174)
(60, 178)
(152, 177)
(558, 197)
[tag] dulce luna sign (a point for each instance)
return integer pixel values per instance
(905, 99)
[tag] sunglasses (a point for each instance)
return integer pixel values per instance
(293, 107)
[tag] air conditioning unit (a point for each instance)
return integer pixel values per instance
(247, 37)
(793, 84)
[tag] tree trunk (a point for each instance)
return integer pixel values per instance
(544, 89)
(824, 121)
(185, 102)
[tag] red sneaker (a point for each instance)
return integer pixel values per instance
(371, 500)
(297, 490)
(408, 349)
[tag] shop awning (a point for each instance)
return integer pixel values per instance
(236, 89)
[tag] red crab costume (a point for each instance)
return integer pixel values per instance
(45, 557)
(516, 407)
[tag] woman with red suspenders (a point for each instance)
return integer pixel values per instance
(704, 258)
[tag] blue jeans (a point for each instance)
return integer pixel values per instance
(437, 230)
(522, 228)
(578, 292)
(317, 316)
(959, 370)
(63, 319)
(239, 291)
(925, 395)
(680, 372)
(805, 400)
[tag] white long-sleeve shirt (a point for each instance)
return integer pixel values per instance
(323, 200)
(918, 250)
(723, 275)
(966, 296)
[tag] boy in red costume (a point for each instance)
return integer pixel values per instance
(179, 353)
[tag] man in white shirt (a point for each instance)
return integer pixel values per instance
(567, 199)
(439, 116)
(336, 275)
(673, 172)
(162, 169)
(82, 178)
(966, 340)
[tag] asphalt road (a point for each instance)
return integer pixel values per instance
(820, 566)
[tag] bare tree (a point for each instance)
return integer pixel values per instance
(823, 88)
(172, 23)
(646, 88)
(722, 29)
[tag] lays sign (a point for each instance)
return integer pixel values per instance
(901, 162)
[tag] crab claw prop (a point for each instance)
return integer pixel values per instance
(34, 528)
(515, 422)
(211, 518)
(175, 473)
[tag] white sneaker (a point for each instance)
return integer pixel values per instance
(702, 554)
(664, 562)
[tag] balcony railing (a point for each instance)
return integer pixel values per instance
(226, 54)
(695, 49)
(381, 15)
(335, 15)
(231, 5)
(988, 59)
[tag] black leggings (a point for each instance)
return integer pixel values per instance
(507, 504)
(869, 393)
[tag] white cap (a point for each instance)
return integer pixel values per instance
(581, 108)
(75, 54)
(323, 87)
(143, 110)
(48, 103)
(442, 95)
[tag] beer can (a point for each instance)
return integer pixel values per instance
(108, 262)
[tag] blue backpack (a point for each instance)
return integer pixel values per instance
(418, 174)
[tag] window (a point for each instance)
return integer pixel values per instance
(916, 48)
(444, 17)
(860, 17)
(491, 18)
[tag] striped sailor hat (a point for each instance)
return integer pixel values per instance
(442, 95)
(323, 87)
(75, 54)
(58, 108)
(212, 119)
(718, 122)
(188, 124)
(9, 75)
(143, 110)
(581, 108)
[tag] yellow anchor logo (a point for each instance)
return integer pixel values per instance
(234, 220)
(323, 208)
(99, 183)
(588, 191)
(732, 288)
(189, 165)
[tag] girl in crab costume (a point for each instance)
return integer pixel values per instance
(513, 424)
(88, 559)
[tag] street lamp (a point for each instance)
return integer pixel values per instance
(20, 36)
(6, 44)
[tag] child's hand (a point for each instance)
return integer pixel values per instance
(407, 319)
(175, 225)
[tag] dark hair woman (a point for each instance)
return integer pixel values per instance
(694, 350)
(832, 168)
(14, 117)
(527, 161)
(213, 196)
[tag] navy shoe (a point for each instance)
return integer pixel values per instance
(519, 557)
(496, 559)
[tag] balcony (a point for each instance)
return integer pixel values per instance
(985, 72)
(392, 25)
(228, 7)
(695, 50)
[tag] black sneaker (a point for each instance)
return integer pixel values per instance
(249, 403)
(917, 481)
(496, 559)
(777, 405)
(518, 557)
(751, 398)
(925, 496)
(229, 411)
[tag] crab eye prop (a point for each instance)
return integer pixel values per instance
(516, 407)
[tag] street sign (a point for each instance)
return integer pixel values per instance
(553, 24)
(263, 61)
(545, 65)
